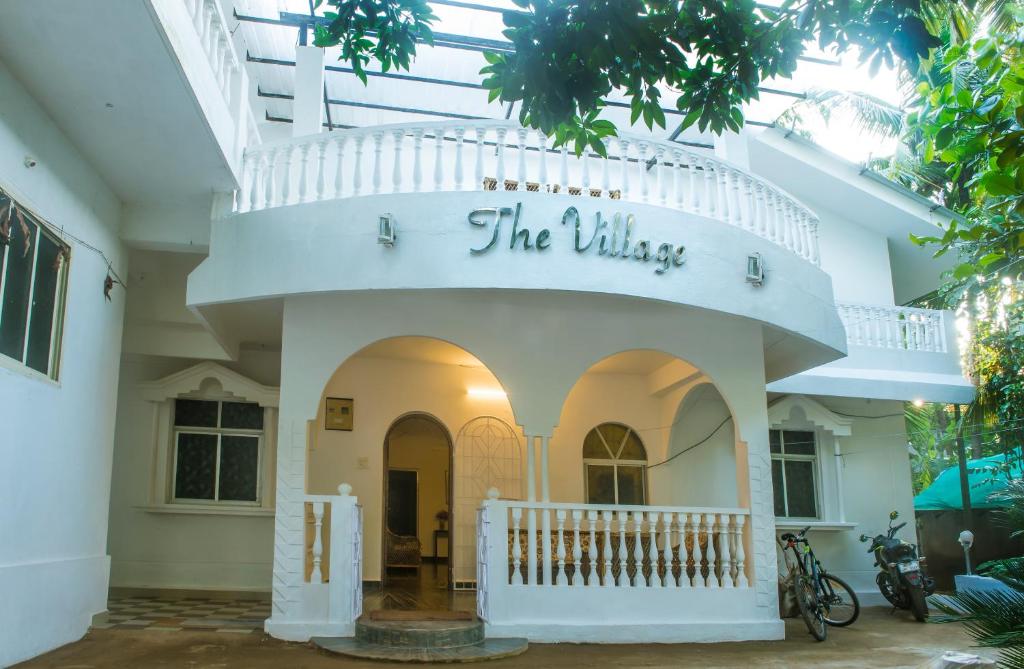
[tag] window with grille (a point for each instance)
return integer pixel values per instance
(794, 479)
(217, 451)
(33, 286)
(614, 466)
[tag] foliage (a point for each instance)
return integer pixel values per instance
(995, 619)
(1011, 514)
(386, 30)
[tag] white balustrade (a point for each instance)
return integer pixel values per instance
(506, 156)
(898, 328)
(618, 546)
(212, 27)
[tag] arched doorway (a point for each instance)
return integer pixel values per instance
(417, 512)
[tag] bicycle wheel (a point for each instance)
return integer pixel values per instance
(807, 602)
(839, 601)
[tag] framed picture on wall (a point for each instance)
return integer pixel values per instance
(339, 413)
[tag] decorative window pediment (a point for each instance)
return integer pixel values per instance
(797, 408)
(210, 379)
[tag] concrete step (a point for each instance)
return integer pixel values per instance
(421, 637)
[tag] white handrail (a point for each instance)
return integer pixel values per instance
(447, 156)
(672, 547)
(892, 327)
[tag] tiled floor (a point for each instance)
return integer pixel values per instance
(237, 616)
(423, 589)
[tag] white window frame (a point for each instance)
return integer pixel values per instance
(59, 301)
(207, 381)
(784, 457)
(219, 432)
(614, 462)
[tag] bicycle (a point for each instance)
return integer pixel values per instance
(823, 599)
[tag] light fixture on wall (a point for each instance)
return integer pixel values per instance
(486, 393)
(755, 269)
(387, 230)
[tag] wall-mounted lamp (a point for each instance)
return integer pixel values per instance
(387, 230)
(755, 269)
(487, 393)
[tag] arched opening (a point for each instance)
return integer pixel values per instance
(417, 507)
(407, 396)
(702, 450)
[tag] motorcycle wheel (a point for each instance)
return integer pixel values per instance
(889, 591)
(841, 605)
(918, 604)
(807, 602)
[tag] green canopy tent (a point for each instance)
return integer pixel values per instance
(984, 476)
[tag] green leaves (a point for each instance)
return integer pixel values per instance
(381, 30)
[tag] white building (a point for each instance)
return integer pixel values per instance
(582, 336)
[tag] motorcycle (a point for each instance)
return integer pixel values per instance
(901, 577)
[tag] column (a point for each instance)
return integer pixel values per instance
(307, 115)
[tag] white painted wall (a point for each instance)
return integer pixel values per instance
(857, 258)
(151, 549)
(57, 437)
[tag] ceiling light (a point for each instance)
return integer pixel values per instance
(487, 393)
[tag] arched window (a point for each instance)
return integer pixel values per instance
(614, 465)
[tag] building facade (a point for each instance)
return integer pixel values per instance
(595, 388)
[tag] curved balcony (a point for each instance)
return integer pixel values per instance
(499, 155)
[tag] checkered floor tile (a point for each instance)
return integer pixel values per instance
(239, 616)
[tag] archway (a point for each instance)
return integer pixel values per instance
(417, 509)
(402, 386)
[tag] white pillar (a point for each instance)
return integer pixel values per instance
(307, 114)
(545, 491)
(531, 471)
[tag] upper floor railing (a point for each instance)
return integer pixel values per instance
(212, 28)
(899, 328)
(501, 155)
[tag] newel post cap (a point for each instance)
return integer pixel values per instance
(492, 493)
(344, 490)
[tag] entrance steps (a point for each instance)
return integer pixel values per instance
(421, 636)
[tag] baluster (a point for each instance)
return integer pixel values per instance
(741, 574)
(357, 171)
(460, 134)
(726, 208)
(725, 549)
(542, 148)
(606, 187)
(783, 221)
(652, 547)
(737, 200)
(223, 57)
(338, 168)
(593, 578)
(638, 550)
(709, 554)
(242, 194)
(585, 172)
(577, 549)
(545, 547)
(271, 180)
(687, 542)
(531, 546)
(438, 159)
(694, 202)
(318, 544)
(746, 202)
(321, 176)
(624, 167)
(666, 549)
(563, 174)
(205, 28)
(517, 549)
(699, 556)
(398, 138)
(417, 163)
(561, 578)
(521, 162)
(259, 170)
(304, 190)
(478, 170)
(709, 206)
(677, 182)
(378, 141)
(797, 225)
(815, 249)
(286, 194)
(500, 171)
(641, 148)
(659, 159)
(621, 555)
(606, 557)
(888, 325)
